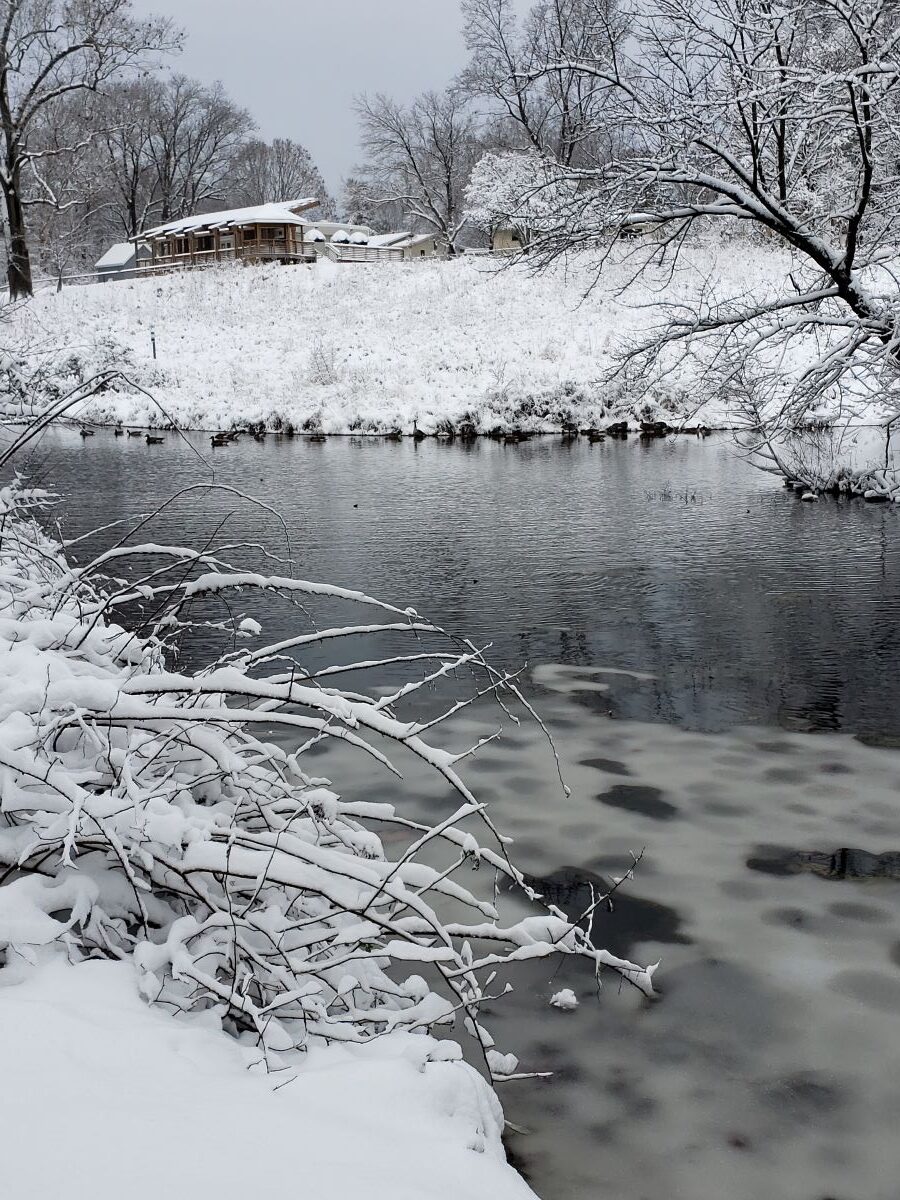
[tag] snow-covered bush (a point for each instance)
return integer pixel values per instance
(171, 818)
(517, 190)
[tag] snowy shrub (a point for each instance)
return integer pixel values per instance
(171, 818)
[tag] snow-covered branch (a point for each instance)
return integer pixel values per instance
(171, 817)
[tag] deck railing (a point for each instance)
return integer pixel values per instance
(253, 252)
(344, 252)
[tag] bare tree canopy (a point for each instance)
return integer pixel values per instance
(277, 170)
(557, 112)
(419, 158)
(50, 49)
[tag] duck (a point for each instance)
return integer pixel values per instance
(134, 433)
(152, 440)
(119, 431)
(86, 432)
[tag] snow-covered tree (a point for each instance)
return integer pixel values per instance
(777, 117)
(518, 191)
(176, 819)
(50, 49)
(560, 112)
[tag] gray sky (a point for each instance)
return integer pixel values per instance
(297, 64)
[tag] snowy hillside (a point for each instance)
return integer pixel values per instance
(374, 347)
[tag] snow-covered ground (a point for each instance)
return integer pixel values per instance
(375, 347)
(105, 1097)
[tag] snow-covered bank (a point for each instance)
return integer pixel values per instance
(104, 1096)
(144, 821)
(373, 348)
(102, 1091)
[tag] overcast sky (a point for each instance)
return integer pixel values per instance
(297, 64)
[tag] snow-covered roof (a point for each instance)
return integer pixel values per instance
(119, 255)
(331, 227)
(389, 239)
(280, 213)
(417, 240)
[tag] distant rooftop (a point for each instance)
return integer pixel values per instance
(119, 255)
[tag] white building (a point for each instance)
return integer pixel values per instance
(121, 261)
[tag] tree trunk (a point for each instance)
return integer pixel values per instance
(19, 268)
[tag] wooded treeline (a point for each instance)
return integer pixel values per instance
(100, 139)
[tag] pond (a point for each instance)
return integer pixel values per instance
(717, 662)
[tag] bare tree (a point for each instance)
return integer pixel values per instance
(127, 160)
(557, 112)
(278, 170)
(420, 157)
(360, 208)
(50, 49)
(196, 132)
(64, 192)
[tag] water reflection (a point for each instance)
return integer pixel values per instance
(744, 606)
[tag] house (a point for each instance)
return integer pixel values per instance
(423, 245)
(262, 232)
(344, 243)
(121, 261)
(384, 241)
(508, 239)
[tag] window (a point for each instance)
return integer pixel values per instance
(205, 242)
(250, 235)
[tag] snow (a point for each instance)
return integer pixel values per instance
(389, 239)
(369, 348)
(566, 1000)
(258, 214)
(118, 255)
(104, 1096)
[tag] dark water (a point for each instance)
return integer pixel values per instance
(687, 624)
(672, 558)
